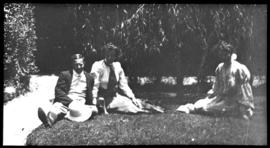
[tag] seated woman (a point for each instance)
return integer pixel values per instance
(231, 89)
(111, 88)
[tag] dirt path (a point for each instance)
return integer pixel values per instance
(20, 115)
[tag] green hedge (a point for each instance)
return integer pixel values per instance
(19, 46)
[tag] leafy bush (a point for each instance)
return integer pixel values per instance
(19, 46)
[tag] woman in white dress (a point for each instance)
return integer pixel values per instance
(231, 90)
(111, 87)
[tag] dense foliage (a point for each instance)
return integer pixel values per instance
(171, 39)
(156, 39)
(159, 39)
(19, 46)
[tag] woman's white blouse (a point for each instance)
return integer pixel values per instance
(101, 77)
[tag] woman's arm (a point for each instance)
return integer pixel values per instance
(96, 75)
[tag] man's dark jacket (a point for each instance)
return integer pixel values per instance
(63, 86)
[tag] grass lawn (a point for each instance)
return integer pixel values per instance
(170, 127)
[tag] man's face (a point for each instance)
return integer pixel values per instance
(78, 65)
(110, 56)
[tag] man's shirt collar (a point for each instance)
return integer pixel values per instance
(76, 74)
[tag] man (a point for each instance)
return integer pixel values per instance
(111, 87)
(74, 85)
(231, 90)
